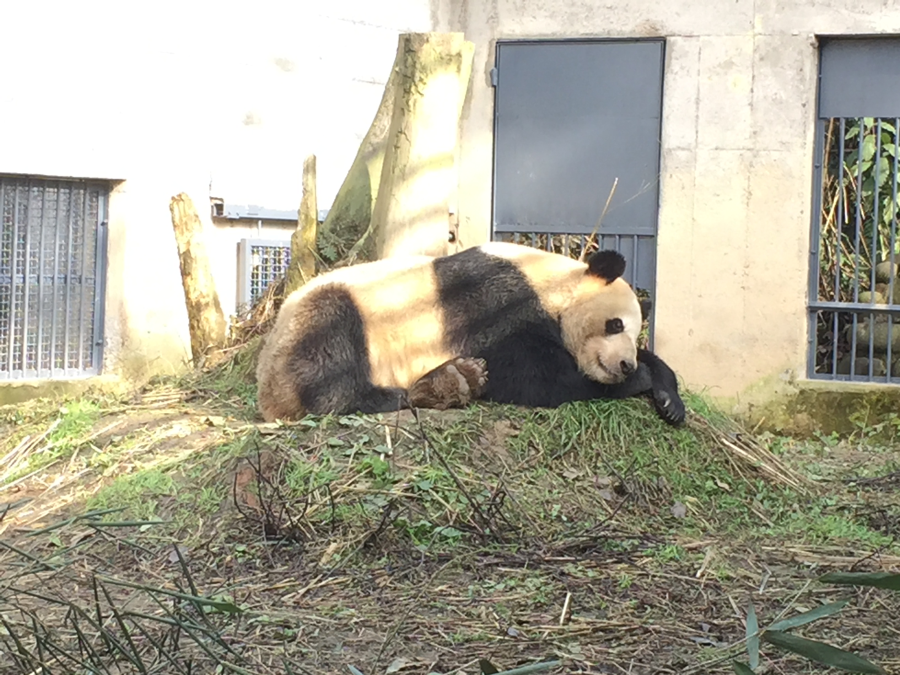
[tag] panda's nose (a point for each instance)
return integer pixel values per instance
(627, 368)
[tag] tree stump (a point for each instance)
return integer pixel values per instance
(303, 241)
(206, 321)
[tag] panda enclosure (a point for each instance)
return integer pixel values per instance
(588, 539)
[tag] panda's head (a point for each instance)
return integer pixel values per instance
(600, 325)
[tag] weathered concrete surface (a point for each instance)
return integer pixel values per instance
(736, 166)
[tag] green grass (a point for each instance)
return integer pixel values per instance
(138, 494)
(601, 500)
(70, 426)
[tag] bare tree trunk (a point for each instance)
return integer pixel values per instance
(206, 321)
(303, 240)
(419, 177)
(346, 233)
(423, 97)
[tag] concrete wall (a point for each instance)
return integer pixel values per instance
(210, 98)
(736, 176)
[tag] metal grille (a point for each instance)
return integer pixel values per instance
(572, 118)
(854, 308)
(260, 263)
(52, 261)
(639, 250)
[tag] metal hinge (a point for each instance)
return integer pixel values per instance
(494, 76)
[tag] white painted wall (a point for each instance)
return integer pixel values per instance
(218, 99)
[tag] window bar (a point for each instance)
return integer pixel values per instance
(99, 284)
(40, 324)
(634, 261)
(2, 202)
(858, 215)
(893, 373)
(68, 285)
(856, 242)
(81, 277)
(12, 277)
(873, 254)
(54, 330)
(25, 264)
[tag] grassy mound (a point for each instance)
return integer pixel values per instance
(173, 533)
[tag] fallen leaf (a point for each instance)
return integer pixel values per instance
(173, 555)
(679, 510)
(396, 665)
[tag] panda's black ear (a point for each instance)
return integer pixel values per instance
(646, 306)
(608, 265)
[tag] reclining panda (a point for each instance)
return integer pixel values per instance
(500, 322)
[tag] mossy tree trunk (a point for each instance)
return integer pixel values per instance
(206, 321)
(303, 240)
(404, 176)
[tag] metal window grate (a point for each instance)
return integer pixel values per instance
(52, 259)
(260, 263)
(854, 307)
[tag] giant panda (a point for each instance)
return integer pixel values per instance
(500, 322)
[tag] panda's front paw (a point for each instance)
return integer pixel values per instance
(669, 406)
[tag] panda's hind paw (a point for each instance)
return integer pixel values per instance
(453, 384)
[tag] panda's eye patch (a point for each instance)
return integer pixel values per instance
(614, 326)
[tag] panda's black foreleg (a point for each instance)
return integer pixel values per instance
(664, 387)
(655, 379)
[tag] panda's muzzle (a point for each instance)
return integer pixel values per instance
(625, 369)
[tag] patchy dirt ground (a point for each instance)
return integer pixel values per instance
(172, 533)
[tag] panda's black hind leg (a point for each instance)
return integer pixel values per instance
(380, 400)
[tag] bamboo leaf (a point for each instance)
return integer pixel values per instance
(220, 605)
(821, 652)
(533, 668)
(752, 637)
(810, 616)
(874, 579)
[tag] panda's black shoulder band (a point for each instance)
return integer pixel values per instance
(608, 265)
